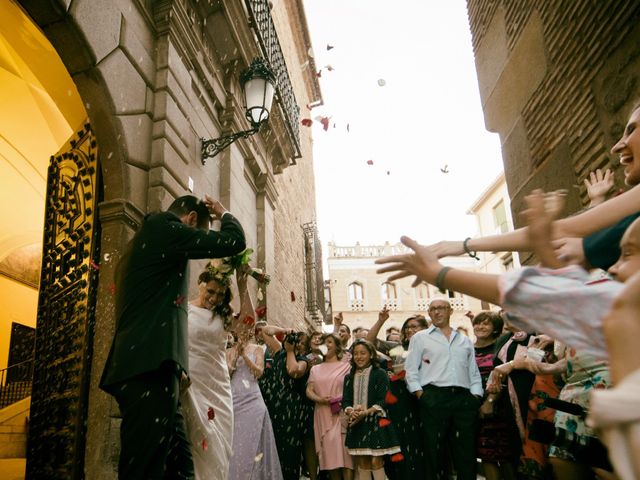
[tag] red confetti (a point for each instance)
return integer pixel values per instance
(325, 123)
(261, 311)
(204, 444)
(249, 320)
(384, 422)
(211, 414)
(94, 265)
(390, 398)
(319, 74)
(293, 297)
(112, 288)
(178, 301)
(399, 376)
(307, 122)
(398, 457)
(369, 162)
(280, 336)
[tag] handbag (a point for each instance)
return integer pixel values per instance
(335, 404)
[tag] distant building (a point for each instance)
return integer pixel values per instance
(360, 293)
(493, 214)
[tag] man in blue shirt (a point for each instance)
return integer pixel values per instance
(442, 372)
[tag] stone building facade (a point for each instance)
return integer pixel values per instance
(360, 293)
(557, 80)
(492, 210)
(148, 80)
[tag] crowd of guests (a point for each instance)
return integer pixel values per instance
(547, 387)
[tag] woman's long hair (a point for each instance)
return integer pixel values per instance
(223, 308)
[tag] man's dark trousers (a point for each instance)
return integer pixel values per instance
(154, 444)
(449, 418)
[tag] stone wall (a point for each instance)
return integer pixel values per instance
(557, 79)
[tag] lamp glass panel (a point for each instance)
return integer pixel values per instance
(259, 97)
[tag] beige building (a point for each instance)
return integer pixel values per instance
(360, 293)
(557, 80)
(493, 213)
(104, 108)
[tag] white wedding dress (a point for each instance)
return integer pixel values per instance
(207, 403)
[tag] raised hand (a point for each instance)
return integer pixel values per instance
(598, 185)
(383, 316)
(570, 250)
(423, 263)
(338, 319)
(215, 207)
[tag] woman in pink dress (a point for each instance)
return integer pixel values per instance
(325, 389)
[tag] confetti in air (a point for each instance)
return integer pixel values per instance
(330, 47)
(382, 82)
(390, 399)
(369, 162)
(384, 422)
(94, 265)
(325, 123)
(204, 444)
(306, 122)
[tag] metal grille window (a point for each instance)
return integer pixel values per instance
(260, 15)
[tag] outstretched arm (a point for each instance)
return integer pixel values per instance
(383, 316)
(581, 225)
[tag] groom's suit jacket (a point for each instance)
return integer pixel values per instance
(151, 293)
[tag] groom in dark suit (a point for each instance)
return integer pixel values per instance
(147, 363)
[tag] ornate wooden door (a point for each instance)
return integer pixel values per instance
(66, 311)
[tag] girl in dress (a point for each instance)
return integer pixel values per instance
(324, 388)
(370, 435)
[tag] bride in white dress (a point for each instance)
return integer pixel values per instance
(207, 403)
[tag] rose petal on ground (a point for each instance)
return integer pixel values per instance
(211, 414)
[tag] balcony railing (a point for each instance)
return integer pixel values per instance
(260, 15)
(367, 251)
(422, 304)
(15, 383)
(357, 305)
(391, 304)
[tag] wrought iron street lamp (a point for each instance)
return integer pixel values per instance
(259, 84)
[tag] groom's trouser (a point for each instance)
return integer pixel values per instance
(153, 441)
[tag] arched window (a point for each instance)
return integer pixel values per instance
(356, 291)
(356, 297)
(389, 294)
(422, 297)
(388, 291)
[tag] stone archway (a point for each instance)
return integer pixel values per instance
(118, 216)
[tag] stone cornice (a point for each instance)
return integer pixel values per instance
(120, 210)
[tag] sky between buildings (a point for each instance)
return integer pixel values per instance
(403, 82)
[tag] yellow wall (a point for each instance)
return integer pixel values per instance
(18, 303)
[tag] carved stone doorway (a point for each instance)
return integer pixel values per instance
(66, 312)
